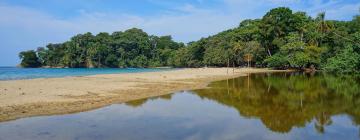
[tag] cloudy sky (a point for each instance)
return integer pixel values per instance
(28, 24)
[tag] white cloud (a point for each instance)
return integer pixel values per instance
(25, 28)
(336, 11)
(34, 28)
(284, 1)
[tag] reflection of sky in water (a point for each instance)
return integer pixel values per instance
(271, 107)
(184, 116)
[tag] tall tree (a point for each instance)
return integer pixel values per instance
(29, 59)
(275, 25)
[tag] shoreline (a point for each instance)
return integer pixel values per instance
(55, 96)
(33, 73)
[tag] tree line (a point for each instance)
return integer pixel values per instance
(281, 39)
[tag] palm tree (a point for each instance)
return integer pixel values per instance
(323, 27)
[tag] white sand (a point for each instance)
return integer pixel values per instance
(22, 98)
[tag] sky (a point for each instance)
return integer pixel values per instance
(28, 24)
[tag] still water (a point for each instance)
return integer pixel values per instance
(261, 106)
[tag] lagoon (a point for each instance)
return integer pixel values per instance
(258, 106)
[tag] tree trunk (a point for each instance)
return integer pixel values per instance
(268, 50)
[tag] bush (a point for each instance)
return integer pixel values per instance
(277, 61)
(347, 61)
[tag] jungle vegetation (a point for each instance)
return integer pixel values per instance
(281, 39)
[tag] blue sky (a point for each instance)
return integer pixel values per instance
(28, 24)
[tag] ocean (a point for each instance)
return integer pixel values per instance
(14, 73)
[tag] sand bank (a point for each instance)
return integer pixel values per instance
(47, 96)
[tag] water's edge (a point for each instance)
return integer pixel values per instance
(11, 113)
(14, 73)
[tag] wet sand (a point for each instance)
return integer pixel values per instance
(50, 96)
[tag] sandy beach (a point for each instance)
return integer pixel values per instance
(48, 96)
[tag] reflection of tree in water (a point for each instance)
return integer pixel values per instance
(140, 102)
(166, 97)
(283, 101)
(137, 103)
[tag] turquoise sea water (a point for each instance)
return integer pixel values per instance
(13, 73)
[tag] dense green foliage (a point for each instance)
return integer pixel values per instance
(132, 48)
(281, 39)
(345, 61)
(29, 59)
